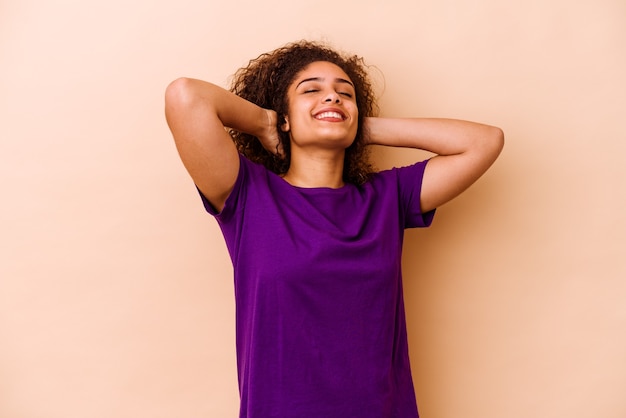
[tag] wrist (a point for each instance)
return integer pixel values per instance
(266, 123)
(367, 131)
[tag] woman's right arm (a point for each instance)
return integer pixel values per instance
(197, 113)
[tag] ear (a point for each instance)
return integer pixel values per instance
(285, 126)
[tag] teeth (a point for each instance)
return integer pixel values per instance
(329, 115)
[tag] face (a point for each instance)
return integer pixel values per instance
(322, 108)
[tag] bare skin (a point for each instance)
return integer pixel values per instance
(321, 123)
(465, 150)
(197, 113)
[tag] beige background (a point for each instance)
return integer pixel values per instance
(115, 287)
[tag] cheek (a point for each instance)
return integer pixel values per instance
(355, 116)
(299, 114)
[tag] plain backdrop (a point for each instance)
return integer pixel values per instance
(116, 295)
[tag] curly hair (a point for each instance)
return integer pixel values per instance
(265, 81)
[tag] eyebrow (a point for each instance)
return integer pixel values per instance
(337, 80)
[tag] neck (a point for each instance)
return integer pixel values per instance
(315, 170)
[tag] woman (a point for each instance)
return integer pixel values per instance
(314, 235)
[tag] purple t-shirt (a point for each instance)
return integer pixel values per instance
(320, 322)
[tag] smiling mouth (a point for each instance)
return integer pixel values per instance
(329, 115)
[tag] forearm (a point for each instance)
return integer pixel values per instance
(203, 99)
(439, 136)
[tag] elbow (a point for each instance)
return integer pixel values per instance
(178, 92)
(496, 139)
(490, 144)
(181, 98)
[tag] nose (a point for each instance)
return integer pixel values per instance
(332, 97)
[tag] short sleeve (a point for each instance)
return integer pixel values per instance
(410, 189)
(232, 202)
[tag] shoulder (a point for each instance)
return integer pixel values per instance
(409, 174)
(404, 185)
(251, 176)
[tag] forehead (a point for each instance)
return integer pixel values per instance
(321, 69)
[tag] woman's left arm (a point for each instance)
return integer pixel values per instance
(464, 151)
